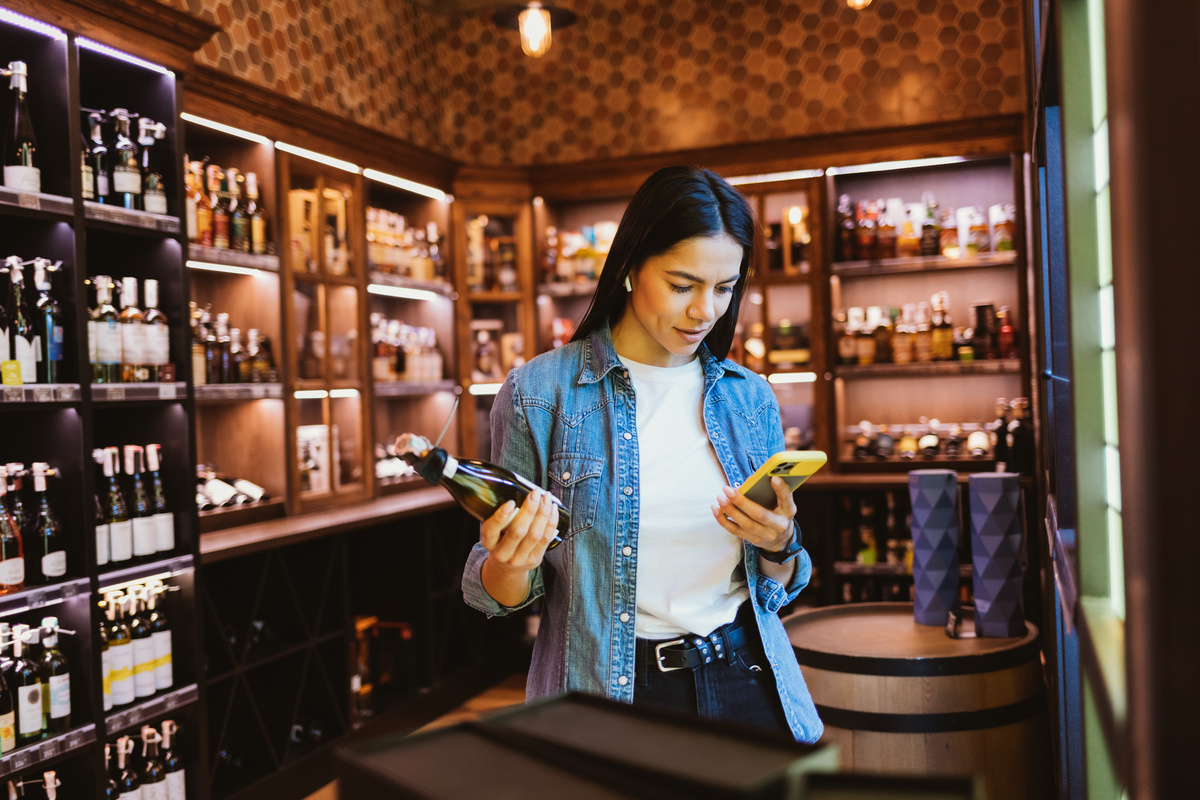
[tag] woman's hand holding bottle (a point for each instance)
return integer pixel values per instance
(516, 540)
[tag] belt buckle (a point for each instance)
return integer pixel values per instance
(658, 656)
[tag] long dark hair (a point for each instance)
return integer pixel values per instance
(674, 204)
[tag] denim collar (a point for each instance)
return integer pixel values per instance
(599, 356)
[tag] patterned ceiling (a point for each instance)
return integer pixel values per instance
(631, 76)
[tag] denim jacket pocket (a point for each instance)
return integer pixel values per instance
(575, 479)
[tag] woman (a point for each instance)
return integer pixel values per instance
(667, 589)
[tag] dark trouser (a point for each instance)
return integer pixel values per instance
(739, 688)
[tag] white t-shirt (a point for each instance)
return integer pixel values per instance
(686, 562)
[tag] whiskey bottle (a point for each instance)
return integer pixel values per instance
(479, 487)
(120, 526)
(190, 192)
(923, 336)
(12, 552)
(903, 334)
(154, 193)
(846, 244)
(930, 233)
(164, 520)
(204, 210)
(908, 444)
(885, 232)
(257, 216)
(50, 323)
(133, 334)
(223, 354)
(120, 651)
(1021, 448)
(173, 763)
(56, 675)
(50, 544)
(98, 157)
(20, 142)
(127, 166)
(1007, 335)
(23, 343)
(141, 512)
(160, 635)
(152, 776)
(157, 337)
(867, 235)
(239, 220)
(848, 341)
(104, 329)
(220, 206)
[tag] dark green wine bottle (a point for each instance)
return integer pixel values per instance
(56, 678)
(27, 684)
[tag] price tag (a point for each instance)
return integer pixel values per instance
(258, 390)
(166, 391)
(146, 221)
(21, 759)
(14, 394)
(36, 598)
(116, 392)
(67, 393)
(51, 748)
(72, 740)
(43, 394)
(27, 200)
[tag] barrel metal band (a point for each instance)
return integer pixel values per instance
(950, 722)
(919, 667)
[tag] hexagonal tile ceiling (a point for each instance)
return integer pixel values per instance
(630, 76)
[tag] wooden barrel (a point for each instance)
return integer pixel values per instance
(903, 698)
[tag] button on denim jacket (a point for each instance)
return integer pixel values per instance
(566, 420)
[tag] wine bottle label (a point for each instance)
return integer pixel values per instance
(26, 356)
(106, 678)
(89, 182)
(143, 536)
(102, 537)
(153, 791)
(23, 179)
(132, 794)
(108, 341)
(158, 344)
(54, 565)
(251, 490)
(143, 667)
(126, 180)
(258, 235)
(176, 785)
(60, 696)
(133, 343)
(91, 341)
(121, 673)
(54, 344)
(121, 536)
(164, 671)
(29, 709)
(102, 184)
(219, 492)
(8, 731)
(12, 572)
(451, 467)
(155, 202)
(164, 531)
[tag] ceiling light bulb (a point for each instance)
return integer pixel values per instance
(534, 23)
(858, 5)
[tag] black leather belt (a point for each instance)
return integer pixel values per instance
(689, 652)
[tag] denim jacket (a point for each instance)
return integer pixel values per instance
(566, 420)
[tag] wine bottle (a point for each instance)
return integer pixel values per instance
(160, 635)
(173, 763)
(133, 334)
(5, 355)
(46, 531)
(141, 511)
(930, 443)
(12, 553)
(126, 164)
(111, 790)
(49, 323)
(8, 704)
(5, 642)
(98, 156)
(20, 142)
(27, 678)
(204, 209)
(105, 659)
(120, 527)
(164, 520)
(220, 207)
(1000, 431)
(100, 522)
(152, 775)
(22, 333)
(56, 675)
(51, 784)
(143, 645)
(479, 487)
(908, 444)
(120, 649)
(16, 494)
(157, 336)
(104, 329)
(1022, 453)
(257, 215)
(87, 175)
(154, 194)
(239, 221)
(128, 786)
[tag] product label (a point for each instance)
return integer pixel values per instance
(102, 536)
(108, 342)
(143, 667)
(8, 732)
(10, 373)
(60, 696)
(23, 179)
(158, 344)
(133, 343)
(106, 678)
(89, 182)
(91, 341)
(153, 791)
(29, 709)
(121, 536)
(54, 347)
(126, 180)
(143, 536)
(26, 356)
(3, 344)
(102, 185)
(193, 224)
(12, 572)
(54, 565)
(155, 202)
(176, 785)
(219, 491)
(121, 673)
(258, 235)
(164, 531)
(164, 670)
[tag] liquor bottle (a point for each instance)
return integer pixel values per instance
(51, 784)
(199, 371)
(157, 336)
(908, 444)
(87, 175)
(942, 332)
(954, 441)
(50, 543)
(141, 511)
(868, 549)
(164, 520)
(173, 763)
(133, 334)
(20, 142)
(885, 232)
(104, 329)
(160, 636)
(8, 705)
(204, 209)
(252, 491)
(220, 206)
(948, 243)
(479, 487)
(12, 552)
(908, 240)
(930, 443)
(923, 335)
(246, 371)
(56, 674)
(105, 658)
(257, 215)
(1021, 448)
(239, 220)
(224, 354)
(23, 345)
(848, 341)
(120, 650)
(27, 684)
(191, 224)
(218, 493)
(152, 775)
(120, 527)
(866, 230)
(847, 243)
(903, 334)
(237, 355)
(864, 442)
(885, 444)
(883, 335)
(128, 786)
(5, 355)
(264, 364)
(1008, 334)
(126, 164)
(979, 443)
(930, 234)
(98, 156)
(154, 192)
(1000, 434)
(11, 635)
(865, 342)
(50, 323)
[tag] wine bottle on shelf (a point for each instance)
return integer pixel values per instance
(56, 675)
(49, 542)
(5, 642)
(204, 208)
(16, 497)
(143, 644)
(479, 487)
(12, 552)
(23, 345)
(27, 678)
(120, 526)
(908, 443)
(128, 785)
(1021, 447)
(1000, 431)
(98, 156)
(190, 202)
(257, 215)
(87, 175)
(104, 331)
(141, 512)
(157, 336)
(160, 635)
(5, 355)
(49, 323)
(51, 784)
(105, 659)
(220, 207)
(111, 790)
(126, 163)
(164, 520)
(152, 775)
(173, 763)
(8, 703)
(930, 443)
(11, 634)
(133, 334)
(120, 650)
(239, 220)
(224, 355)
(154, 192)
(238, 357)
(20, 141)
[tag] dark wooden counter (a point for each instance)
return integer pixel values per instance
(246, 539)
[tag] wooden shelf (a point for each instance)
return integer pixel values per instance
(895, 266)
(495, 297)
(930, 369)
(30, 756)
(50, 206)
(375, 278)
(407, 389)
(150, 708)
(139, 221)
(40, 393)
(212, 393)
(568, 289)
(221, 518)
(233, 258)
(905, 465)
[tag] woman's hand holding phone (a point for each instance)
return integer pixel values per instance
(764, 528)
(516, 540)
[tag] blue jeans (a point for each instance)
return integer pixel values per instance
(739, 689)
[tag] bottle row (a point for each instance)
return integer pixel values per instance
(133, 520)
(403, 352)
(223, 209)
(157, 773)
(135, 643)
(217, 490)
(35, 684)
(132, 345)
(396, 248)
(31, 324)
(576, 255)
(218, 355)
(121, 170)
(891, 228)
(20, 142)
(45, 561)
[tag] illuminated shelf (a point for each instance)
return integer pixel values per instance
(140, 220)
(127, 392)
(930, 369)
(893, 266)
(40, 393)
(232, 258)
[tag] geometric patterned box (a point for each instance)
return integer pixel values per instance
(996, 554)
(934, 496)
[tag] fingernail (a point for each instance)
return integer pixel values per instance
(508, 506)
(729, 491)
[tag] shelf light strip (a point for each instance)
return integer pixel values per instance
(223, 128)
(774, 177)
(320, 158)
(162, 576)
(310, 394)
(343, 393)
(884, 166)
(30, 24)
(103, 49)
(401, 291)
(792, 377)
(405, 184)
(483, 389)
(232, 270)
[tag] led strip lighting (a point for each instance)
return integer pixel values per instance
(223, 128)
(405, 184)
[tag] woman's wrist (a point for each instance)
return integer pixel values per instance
(507, 585)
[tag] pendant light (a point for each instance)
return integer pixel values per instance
(536, 23)
(858, 5)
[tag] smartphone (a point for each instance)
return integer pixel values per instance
(793, 466)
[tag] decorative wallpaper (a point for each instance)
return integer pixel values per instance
(630, 76)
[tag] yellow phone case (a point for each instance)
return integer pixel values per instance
(793, 466)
